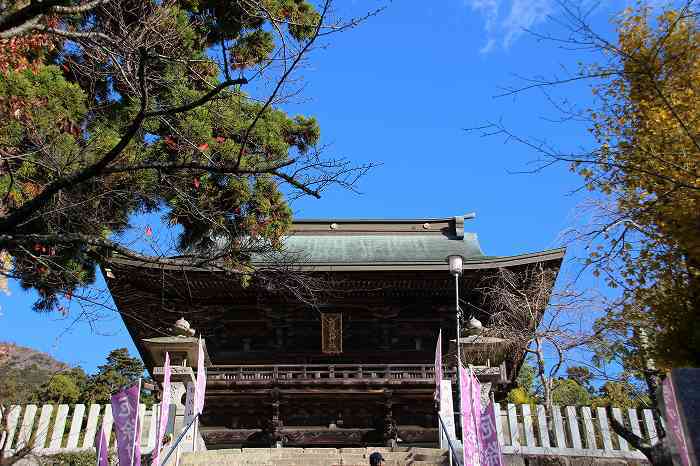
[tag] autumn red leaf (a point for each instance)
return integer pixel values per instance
(170, 142)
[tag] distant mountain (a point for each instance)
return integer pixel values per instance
(20, 357)
(23, 371)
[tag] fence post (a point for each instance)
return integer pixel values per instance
(107, 423)
(25, 430)
(499, 421)
(588, 425)
(142, 417)
(558, 426)
(155, 416)
(634, 421)
(542, 426)
(513, 425)
(42, 429)
(572, 420)
(12, 419)
(91, 429)
(527, 426)
(59, 426)
(604, 428)
(75, 425)
(651, 427)
(617, 414)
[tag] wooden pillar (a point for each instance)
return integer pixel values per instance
(276, 424)
(390, 430)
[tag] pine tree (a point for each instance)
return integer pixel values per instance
(114, 109)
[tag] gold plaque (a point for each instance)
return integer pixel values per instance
(332, 333)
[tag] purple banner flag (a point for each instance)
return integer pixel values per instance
(438, 367)
(673, 420)
(125, 409)
(470, 433)
(490, 452)
(101, 448)
(475, 399)
(164, 408)
(201, 384)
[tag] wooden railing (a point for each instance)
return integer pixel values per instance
(322, 371)
(416, 372)
(523, 429)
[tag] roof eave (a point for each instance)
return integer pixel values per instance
(469, 263)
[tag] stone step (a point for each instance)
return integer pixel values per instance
(305, 462)
(315, 457)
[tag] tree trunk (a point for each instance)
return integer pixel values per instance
(658, 454)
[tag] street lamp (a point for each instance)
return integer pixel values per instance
(456, 263)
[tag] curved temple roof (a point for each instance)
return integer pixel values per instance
(380, 248)
(418, 244)
(380, 245)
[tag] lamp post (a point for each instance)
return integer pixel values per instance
(456, 264)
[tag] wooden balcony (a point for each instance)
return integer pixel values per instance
(323, 374)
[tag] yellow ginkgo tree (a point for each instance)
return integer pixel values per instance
(643, 170)
(641, 232)
(647, 166)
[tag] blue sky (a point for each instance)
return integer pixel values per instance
(400, 89)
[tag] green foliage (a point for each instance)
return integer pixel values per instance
(83, 458)
(620, 395)
(520, 396)
(524, 392)
(211, 171)
(526, 378)
(119, 371)
(86, 458)
(64, 387)
(568, 392)
(582, 376)
(577, 390)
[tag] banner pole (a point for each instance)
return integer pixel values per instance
(137, 427)
(459, 352)
(194, 436)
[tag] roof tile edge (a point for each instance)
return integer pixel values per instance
(452, 226)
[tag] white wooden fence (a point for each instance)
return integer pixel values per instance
(570, 431)
(566, 431)
(60, 428)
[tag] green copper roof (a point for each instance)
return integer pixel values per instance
(348, 249)
(379, 245)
